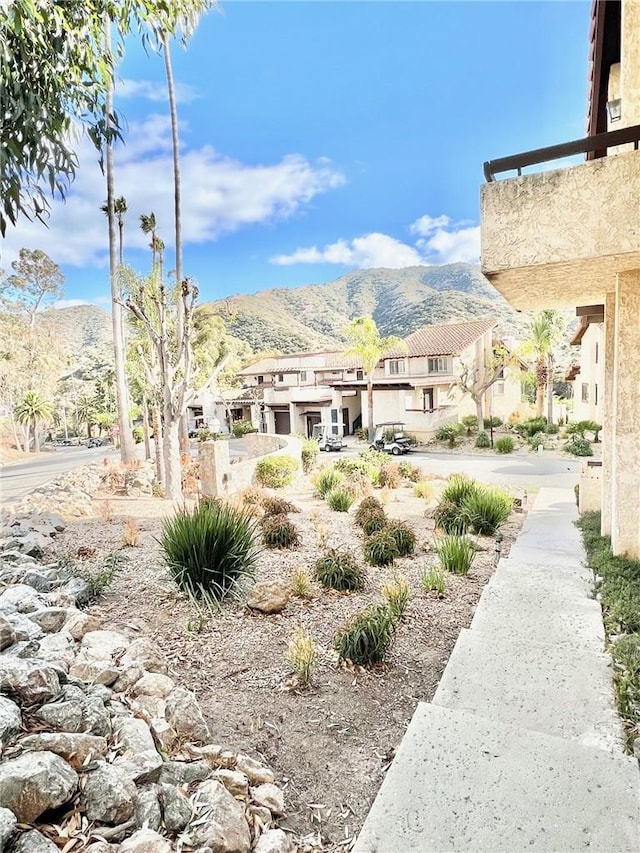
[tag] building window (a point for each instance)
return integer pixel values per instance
(396, 366)
(585, 392)
(438, 365)
(260, 380)
(498, 389)
(303, 376)
(281, 377)
(359, 375)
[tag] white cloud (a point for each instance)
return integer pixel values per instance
(100, 301)
(439, 242)
(220, 194)
(149, 90)
(370, 250)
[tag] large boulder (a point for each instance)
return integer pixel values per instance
(145, 841)
(7, 634)
(31, 682)
(76, 749)
(34, 842)
(269, 597)
(8, 822)
(35, 782)
(221, 823)
(109, 795)
(184, 715)
(138, 755)
(10, 719)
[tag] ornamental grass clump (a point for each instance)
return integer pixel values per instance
(302, 656)
(457, 487)
(339, 569)
(450, 517)
(397, 594)
(339, 500)
(488, 509)
(366, 508)
(505, 444)
(380, 548)
(276, 472)
(577, 445)
(368, 637)
(456, 553)
(326, 480)
(277, 506)
(424, 489)
(432, 579)
(389, 476)
(483, 441)
(374, 522)
(403, 536)
(310, 453)
(210, 549)
(279, 532)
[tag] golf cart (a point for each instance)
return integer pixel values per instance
(326, 440)
(390, 437)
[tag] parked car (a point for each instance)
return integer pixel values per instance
(389, 436)
(97, 441)
(326, 440)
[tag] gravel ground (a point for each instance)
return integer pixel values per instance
(330, 744)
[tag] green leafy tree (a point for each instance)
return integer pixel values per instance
(366, 343)
(545, 332)
(476, 378)
(36, 281)
(30, 412)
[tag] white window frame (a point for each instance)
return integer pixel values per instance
(438, 364)
(399, 364)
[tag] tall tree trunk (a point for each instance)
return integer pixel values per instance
(479, 412)
(16, 437)
(172, 467)
(127, 446)
(539, 399)
(158, 441)
(145, 427)
(177, 190)
(550, 388)
(370, 408)
(36, 437)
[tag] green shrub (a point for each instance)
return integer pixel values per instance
(210, 548)
(310, 453)
(375, 521)
(448, 433)
(405, 469)
(538, 438)
(551, 429)
(492, 422)
(365, 509)
(361, 433)
(339, 500)
(326, 480)
(487, 509)
(423, 489)
(505, 444)
(138, 434)
(457, 488)
(397, 594)
(277, 506)
(279, 532)
(380, 548)
(356, 485)
(578, 446)
(450, 517)
(276, 472)
(403, 536)
(433, 580)
(368, 637)
(389, 475)
(626, 675)
(483, 440)
(530, 427)
(580, 427)
(339, 570)
(470, 422)
(456, 554)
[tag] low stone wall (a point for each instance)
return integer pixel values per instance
(590, 494)
(221, 476)
(93, 728)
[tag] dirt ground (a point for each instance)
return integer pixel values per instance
(331, 744)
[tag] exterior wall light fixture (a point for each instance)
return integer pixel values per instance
(614, 109)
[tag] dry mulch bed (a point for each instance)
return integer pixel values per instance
(331, 744)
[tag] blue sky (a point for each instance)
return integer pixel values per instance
(323, 137)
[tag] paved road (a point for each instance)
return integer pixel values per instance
(21, 477)
(521, 469)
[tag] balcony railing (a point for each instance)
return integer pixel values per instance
(596, 144)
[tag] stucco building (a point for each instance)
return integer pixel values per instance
(418, 386)
(571, 237)
(587, 372)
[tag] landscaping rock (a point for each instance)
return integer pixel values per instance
(95, 718)
(76, 749)
(256, 772)
(183, 772)
(23, 628)
(37, 580)
(269, 597)
(269, 796)
(78, 623)
(30, 682)
(138, 755)
(34, 842)
(8, 822)
(50, 619)
(144, 653)
(59, 648)
(221, 823)
(65, 716)
(109, 795)
(10, 719)
(102, 672)
(184, 715)
(235, 782)
(147, 810)
(34, 783)
(7, 634)
(145, 841)
(176, 808)
(273, 841)
(103, 645)
(153, 684)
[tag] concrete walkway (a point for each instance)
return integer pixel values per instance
(521, 748)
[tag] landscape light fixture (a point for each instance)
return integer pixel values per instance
(614, 109)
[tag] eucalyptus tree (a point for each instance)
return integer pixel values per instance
(368, 345)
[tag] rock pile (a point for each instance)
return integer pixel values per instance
(99, 743)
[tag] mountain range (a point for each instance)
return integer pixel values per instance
(314, 317)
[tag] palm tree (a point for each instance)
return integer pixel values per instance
(29, 412)
(546, 329)
(369, 346)
(119, 208)
(148, 225)
(127, 446)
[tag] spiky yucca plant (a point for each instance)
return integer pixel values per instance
(380, 548)
(210, 548)
(279, 532)
(339, 570)
(368, 637)
(403, 536)
(456, 554)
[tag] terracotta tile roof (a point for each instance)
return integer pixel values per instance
(448, 339)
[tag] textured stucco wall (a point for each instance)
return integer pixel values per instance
(592, 373)
(220, 476)
(554, 237)
(630, 64)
